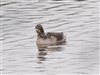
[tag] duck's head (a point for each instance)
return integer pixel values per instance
(39, 30)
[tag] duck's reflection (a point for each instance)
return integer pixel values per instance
(43, 51)
(41, 55)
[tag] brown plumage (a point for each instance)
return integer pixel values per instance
(50, 37)
(59, 36)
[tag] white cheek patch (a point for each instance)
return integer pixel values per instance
(37, 30)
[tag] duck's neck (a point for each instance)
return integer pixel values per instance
(42, 35)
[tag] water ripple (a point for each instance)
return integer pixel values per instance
(21, 54)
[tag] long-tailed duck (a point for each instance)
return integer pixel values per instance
(48, 38)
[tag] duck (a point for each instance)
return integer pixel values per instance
(49, 37)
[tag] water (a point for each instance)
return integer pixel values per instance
(79, 20)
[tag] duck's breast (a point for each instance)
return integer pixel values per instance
(50, 40)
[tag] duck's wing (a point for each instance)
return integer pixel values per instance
(59, 36)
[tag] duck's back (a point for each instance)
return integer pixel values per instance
(58, 36)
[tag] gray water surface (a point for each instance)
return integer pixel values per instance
(79, 20)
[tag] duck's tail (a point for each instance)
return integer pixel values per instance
(64, 39)
(65, 35)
